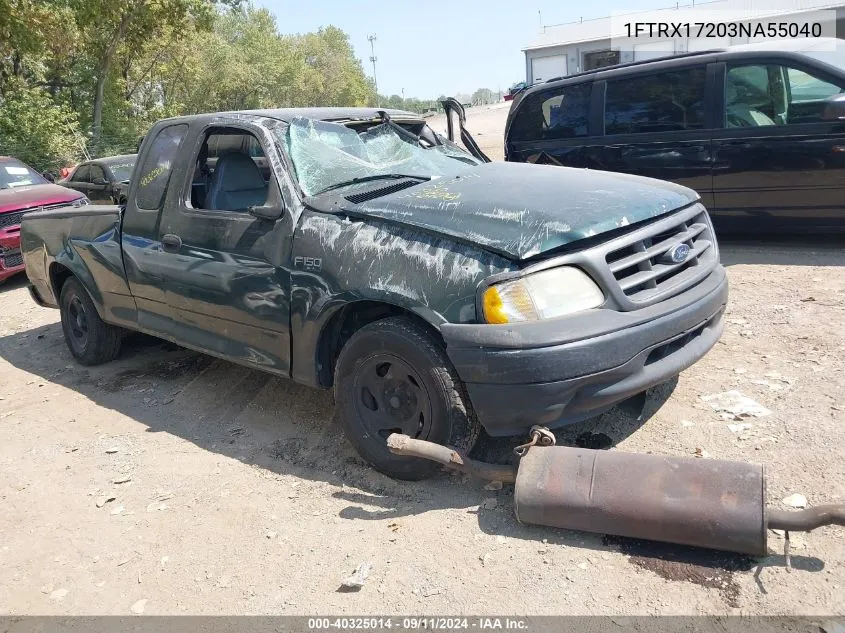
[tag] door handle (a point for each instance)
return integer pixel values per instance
(171, 242)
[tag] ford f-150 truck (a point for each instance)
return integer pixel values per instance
(356, 249)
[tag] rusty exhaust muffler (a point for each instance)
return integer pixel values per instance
(700, 502)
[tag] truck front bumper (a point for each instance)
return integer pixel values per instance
(560, 371)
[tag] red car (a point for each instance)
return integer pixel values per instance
(23, 189)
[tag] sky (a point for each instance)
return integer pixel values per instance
(434, 48)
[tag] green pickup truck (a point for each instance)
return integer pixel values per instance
(356, 249)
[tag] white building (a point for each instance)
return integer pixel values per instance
(565, 49)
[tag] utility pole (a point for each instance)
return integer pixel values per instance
(373, 58)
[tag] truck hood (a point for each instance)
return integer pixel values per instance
(521, 210)
(17, 198)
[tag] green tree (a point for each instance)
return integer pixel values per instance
(36, 130)
(109, 25)
(483, 96)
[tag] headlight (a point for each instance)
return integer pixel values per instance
(80, 202)
(543, 295)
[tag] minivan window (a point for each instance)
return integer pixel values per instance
(662, 102)
(805, 87)
(760, 95)
(555, 114)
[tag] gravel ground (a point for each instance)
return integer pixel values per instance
(202, 487)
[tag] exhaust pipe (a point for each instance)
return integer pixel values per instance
(699, 502)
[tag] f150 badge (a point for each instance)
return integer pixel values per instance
(308, 263)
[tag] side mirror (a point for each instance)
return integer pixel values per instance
(834, 108)
(99, 181)
(266, 213)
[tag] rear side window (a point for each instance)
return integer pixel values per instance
(155, 170)
(656, 103)
(557, 114)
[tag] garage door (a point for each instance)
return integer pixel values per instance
(545, 68)
(652, 50)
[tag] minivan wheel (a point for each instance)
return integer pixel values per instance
(393, 376)
(91, 340)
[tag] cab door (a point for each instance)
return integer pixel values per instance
(80, 179)
(225, 271)
(99, 189)
(778, 165)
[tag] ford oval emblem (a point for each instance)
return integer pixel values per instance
(678, 254)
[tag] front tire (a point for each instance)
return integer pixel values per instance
(91, 340)
(393, 376)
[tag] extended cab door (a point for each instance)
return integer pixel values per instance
(777, 164)
(225, 271)
(143, 258)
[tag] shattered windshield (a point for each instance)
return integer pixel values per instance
(327, 155)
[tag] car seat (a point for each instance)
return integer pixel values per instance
(739, 113)
(236, 183)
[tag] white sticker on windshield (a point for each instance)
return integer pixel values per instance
(17, 171)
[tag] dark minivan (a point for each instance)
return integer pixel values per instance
(758, 130)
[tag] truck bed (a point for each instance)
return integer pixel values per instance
(83, 240)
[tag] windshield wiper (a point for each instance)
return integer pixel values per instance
(354, 181)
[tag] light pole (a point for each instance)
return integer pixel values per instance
(373, 58)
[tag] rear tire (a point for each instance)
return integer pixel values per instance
(394, 376)
(91, 340)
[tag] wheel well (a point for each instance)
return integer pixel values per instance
(346, 322)
(58, 276)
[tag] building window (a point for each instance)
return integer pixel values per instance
(600, 59)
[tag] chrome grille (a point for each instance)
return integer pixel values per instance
(14, 218)
(642, 269)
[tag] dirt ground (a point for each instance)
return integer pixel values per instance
(168, 482)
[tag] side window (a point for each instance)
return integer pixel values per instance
(760, 95)
(155, 171)
(81, 174)
(664, 102)
(804, 87)
(97, 172)
(557, 114)
(228, 175)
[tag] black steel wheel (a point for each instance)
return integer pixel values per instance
(91, 340)
(393, 376)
